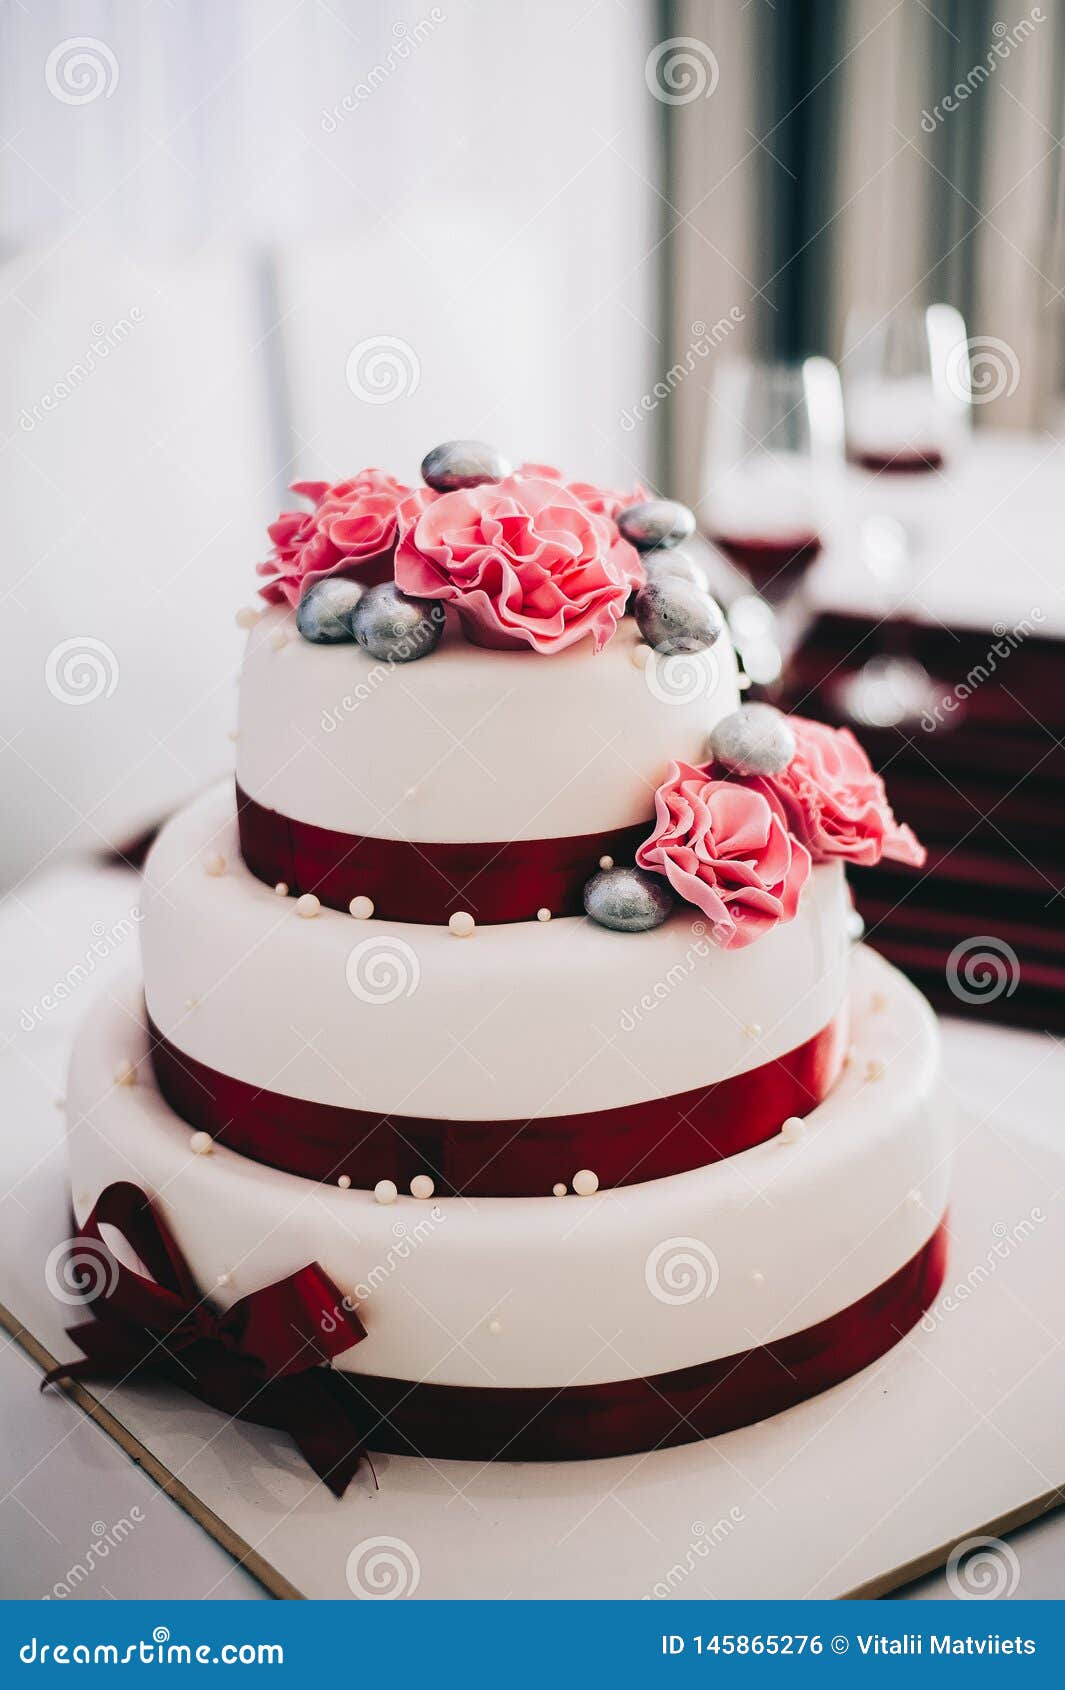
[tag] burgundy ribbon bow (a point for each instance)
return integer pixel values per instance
(260, 1360)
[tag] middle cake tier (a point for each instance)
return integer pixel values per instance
(499, 1064)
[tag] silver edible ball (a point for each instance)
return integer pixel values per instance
(627, 900)
(395, 628)
(656, 523)
(678, 566)
(324, 612)
(754, 740)
(463, 463)
(674, 616)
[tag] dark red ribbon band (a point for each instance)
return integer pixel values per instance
(259, 1361)
(485, 1423)
(507, 1158)
(421, 881)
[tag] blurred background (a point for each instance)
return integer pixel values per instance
(800, 264)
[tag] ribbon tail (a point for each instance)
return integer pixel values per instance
(322, 1422)
(111, 1352)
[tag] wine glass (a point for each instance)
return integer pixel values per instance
(906, 391)
(907, 394)
(771, 472)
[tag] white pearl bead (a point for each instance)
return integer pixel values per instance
(248, 616)
(875, 1069)
(309, 905)
(606, 862)
(281, 889)
(344, 1182)
(462, 924)
(495, 1327)
(125, 1074)
(201, 1144)
(361, 908)
(385, 1191)
(792, 1130)
(215, 864)
(878, 1003)
(915, 1199)
(641, 656)
(754, 1030)
(222, 1278)
(743, 681)
(558, 1190)
(190, 1003)
(422, 1186)
(543, 915)
(757, 1277)
(585, 1182)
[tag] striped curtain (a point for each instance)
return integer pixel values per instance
(869, 153)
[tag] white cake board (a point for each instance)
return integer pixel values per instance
(954, 1433)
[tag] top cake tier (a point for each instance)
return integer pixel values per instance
(471, 745)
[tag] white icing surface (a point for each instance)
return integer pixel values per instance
(469, 744)
(547, 1291)
(528, 1018)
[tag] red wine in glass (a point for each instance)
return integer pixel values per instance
(774, 564)
(774, 447)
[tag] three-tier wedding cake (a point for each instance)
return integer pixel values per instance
(512, 1003)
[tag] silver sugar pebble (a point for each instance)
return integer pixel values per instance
(463, 463)
(674, 616)
(656, 523)
(395, 628)
(627, 900)
(676, 566)
(754, 740)
(325, 610)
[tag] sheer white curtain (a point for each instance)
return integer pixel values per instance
(205, 208)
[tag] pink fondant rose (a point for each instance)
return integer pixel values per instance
(726, 849)
(604, 501)
(524, 562)
(352, 530)
(835, 801)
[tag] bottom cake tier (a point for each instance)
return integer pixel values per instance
(554, 1328)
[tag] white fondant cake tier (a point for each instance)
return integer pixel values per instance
(544, 1292)
(468, 744)
(528, 1019)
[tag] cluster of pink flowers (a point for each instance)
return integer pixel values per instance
(740, 847)
(530, 561)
